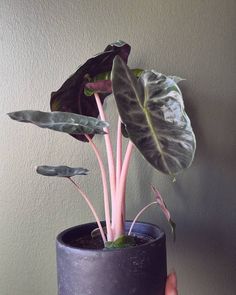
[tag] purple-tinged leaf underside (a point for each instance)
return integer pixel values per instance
(102, 86)
(102, 83)
(71, 97)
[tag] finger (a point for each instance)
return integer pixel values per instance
(171, 285)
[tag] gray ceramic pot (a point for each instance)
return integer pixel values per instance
(139, 270)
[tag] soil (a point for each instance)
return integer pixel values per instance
(96, 243)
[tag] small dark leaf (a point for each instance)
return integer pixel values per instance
(61, 171)
(61, 121)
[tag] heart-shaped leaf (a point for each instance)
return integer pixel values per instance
(61, 121)
(152, 110)
(61, 171)
(71, 97)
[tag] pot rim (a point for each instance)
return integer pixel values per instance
(60, 242)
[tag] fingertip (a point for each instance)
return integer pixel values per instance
(172, 292)
(172, 278)
(171, 284)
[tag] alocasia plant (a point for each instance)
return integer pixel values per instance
(151, 116)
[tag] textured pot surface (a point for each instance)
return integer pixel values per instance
(139, 270)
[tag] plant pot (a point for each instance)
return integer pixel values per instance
(138, 270)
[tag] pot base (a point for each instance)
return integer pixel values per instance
(138, 270)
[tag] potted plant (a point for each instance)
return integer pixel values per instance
(116, 256)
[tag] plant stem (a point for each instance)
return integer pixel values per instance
(110, 157)
(91, 208)
(120, 200)
(138, 215)
(118, 151)
(118, 165)
(105, 189)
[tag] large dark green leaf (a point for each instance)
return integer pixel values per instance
(152, 110)
(61, 171)
(71, 97)
(61, 121)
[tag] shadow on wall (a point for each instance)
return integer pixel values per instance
(213, 120)
(201, 256)
(207, 234)
(212, 177)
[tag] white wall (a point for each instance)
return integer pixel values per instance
(41, 44)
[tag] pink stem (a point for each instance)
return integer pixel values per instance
(91, 208)
(138, 215)
(118, 151)
(105, 189)
(120, 202)
(110, 157)
(118, 164)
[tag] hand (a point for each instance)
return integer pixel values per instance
(171, 285)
